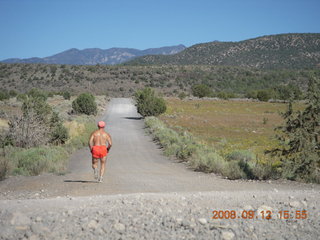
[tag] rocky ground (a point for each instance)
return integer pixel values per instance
(164, 216)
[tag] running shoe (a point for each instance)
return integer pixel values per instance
(100, 179)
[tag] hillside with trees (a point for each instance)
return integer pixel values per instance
(118, 81)
(283, 51)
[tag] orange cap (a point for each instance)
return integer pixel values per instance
(101, 124)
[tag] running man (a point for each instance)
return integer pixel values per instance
(99, 149)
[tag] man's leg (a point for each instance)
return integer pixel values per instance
(95, 167)
(102, 167)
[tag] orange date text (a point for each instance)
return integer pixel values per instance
(265, 214)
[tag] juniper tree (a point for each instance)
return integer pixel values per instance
(299, 136)
(148, 103)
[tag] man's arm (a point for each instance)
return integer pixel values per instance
(109, 140)
(90, 143)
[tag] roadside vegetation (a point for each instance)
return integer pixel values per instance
(40, 132)
(235, 138)
(202, 157)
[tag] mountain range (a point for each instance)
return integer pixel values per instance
(282, 51)
(93, 56)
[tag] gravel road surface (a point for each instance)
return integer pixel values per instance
(148, 196)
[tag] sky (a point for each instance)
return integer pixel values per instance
(41, 28)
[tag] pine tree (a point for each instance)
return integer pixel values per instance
(300, 141)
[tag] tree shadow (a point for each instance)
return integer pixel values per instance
(133, 118)
(79, 181)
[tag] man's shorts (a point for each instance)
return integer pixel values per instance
(99, 151)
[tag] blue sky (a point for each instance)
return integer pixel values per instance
(40, 28)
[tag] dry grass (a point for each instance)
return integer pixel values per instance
(4, 124)
(228, 125)
(75, 128)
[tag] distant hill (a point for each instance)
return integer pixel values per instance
(93, 56)
(122, 80)
(291, 51)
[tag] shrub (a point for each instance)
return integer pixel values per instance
(201, 90)
(182, 95)
(38, 94)
(148, 104)
(207, 160)
(13, 93)
(85, 103)
(22, 97)
(263, 171)
(287, 92)
(233, 171)
(4, 167)
(37, 126)
(225, 95)
(31, 128)
(264, 95)
(4, 95)
(34, 161)
(252, 94)
(240, 155)
(59, 134)
(66, 95)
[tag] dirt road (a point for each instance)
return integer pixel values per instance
(136, 166)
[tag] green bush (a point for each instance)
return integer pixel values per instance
(66, 95)
(233, 171)
(59, 135)
(22, 97)
(264, 95)
(287, 92)
(38, 94)
(148, 104)
(13, 93)
(4, 95)
(85, 103)
(252, 94)
(263, 171)
(241, 155)
(207, 160)
(182, 95)
(201, 90)
(36, 104)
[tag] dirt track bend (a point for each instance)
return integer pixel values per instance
(154, 191)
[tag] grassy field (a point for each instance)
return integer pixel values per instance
(227, 125)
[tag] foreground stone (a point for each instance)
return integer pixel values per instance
(162, 216)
